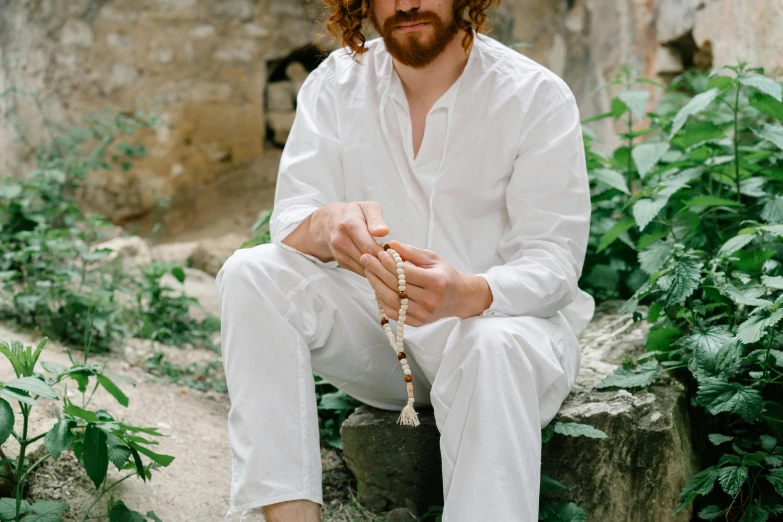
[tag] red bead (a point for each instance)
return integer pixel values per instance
(384, 321)
(386, 246)
(408, 378)
(403, 294)
(401, 355)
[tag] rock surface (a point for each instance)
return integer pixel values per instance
(635, 474)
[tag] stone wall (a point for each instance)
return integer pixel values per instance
(225, 75)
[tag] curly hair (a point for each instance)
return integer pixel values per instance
(346, 18)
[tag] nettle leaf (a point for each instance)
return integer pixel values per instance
(768, 442)
(697, 104)
(754, 513)
(711, 338)
(736, 243)
(616, 231)
(773, 210)
(612, 178)
(46, 511)
(719, 396)
(96, 458)
(636, 101)
(771, 133)
(683, 279)
(712, 512)
(775, 477)
(699, 484)
(34, 386)
(645, 210)
(647, 155)
(753, 328)
(745, 296)
(121, 513)
(653, 257)
(767, 104)
(575, 429)
(8, 508)
(719, 363)
(731, 478)
(772, 281)
(550, 484)
(643, 374)
(718, 439)
(763, 84)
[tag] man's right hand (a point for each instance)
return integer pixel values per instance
(349, 230)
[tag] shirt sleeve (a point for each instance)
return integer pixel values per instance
(548, 201)
(311, 172)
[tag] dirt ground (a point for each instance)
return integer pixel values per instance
(195, 486)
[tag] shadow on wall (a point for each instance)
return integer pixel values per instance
(285, 78)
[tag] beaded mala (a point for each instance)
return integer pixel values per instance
(408, 416)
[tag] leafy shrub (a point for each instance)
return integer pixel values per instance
(689, 221)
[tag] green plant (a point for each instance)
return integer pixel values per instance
(95, 436)
(695, 216)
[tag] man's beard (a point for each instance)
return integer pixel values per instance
(406, 47)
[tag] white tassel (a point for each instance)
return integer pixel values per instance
(409, 417)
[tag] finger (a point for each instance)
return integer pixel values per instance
(362, 243)
(422, 257)
(381, 271)
(415, 313)
(413, 275)
(373, 215)
(349, 264)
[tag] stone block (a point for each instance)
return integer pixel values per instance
(395, 465)
(635, 474)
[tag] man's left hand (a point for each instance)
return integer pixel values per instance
(435, 289)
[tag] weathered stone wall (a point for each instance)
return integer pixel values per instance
(203, 63)
(225, 75)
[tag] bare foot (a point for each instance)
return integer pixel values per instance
(293, 511)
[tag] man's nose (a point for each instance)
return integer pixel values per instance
(407, 5)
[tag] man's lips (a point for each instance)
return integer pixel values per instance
(412, 27)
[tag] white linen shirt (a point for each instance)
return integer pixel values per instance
(499, 187)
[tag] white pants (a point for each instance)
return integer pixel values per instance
(493, 382)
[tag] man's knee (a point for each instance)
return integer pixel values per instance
(256, 261)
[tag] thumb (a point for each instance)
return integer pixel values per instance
(373, 215)
(416, 255)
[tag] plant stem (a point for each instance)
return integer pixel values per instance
(736, 145)
(20, 461)
(103, 493)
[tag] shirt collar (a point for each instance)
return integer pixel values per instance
(395, 91)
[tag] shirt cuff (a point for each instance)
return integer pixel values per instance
(490, 311)
(291, 220)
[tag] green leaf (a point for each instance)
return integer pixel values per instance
(646, 209)
(119, 455)
(653, 257)
(612, 178)
(699, 484)
(682, 280)
(179, 273)
(6, 420)
(113, 389)
(732, 478)
(338, 400)
(163, 460)
(712, 512)
(34, 386)
(768, 442)
(659, 338)
(59, 438)
(768, 105)
(647, 155)
(763, 84)
(718, 363)
(753, 328)
(550, 484)
(46, 511)
(636, 101)
(697, 104)
(772, 281)
(643, 375)
(718, 439)
(152, 516)
(621, 226)
(18, 396)
(120, 513)
(575, 429)
(96, 457)
(8, 508)
(772, 133)
(736, 243)
(754, 513)
(76, 411)
(720, 396)
(711, 201)
(775, 477)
